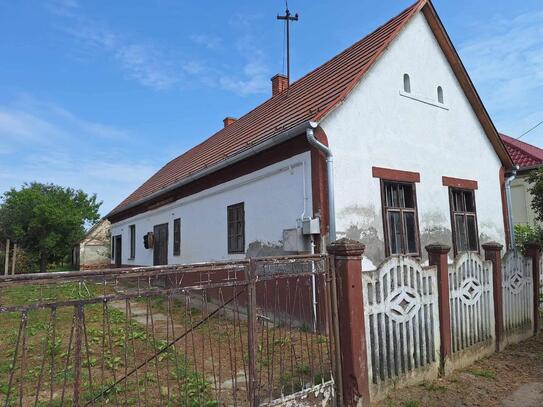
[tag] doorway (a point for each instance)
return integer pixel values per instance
(160, 249)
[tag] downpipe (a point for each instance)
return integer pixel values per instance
(330, 175)
(331, 207)
(508, 183)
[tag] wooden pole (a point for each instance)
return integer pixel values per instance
(14, 258)
(6, 265)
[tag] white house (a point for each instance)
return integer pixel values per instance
(387, 143)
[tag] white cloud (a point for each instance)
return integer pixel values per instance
(505, 61)
(209, 41)
(46, 143)
(161, 67)
(144, 62)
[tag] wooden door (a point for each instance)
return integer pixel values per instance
(160, 249)
(118, 250)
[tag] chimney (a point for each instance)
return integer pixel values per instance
(228, 121)
(279, 84)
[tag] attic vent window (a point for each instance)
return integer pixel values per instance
(440, 94)
(406, 83)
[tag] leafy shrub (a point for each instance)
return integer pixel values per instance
(525, 234)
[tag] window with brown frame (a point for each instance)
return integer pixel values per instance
(236, 228)
(177, 237)
(464, 220)
(132, 229)
(400, 218)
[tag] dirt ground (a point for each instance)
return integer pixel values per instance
(511, 378)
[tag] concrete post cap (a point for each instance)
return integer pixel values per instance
(492, 246)
(438, 248)
(346, 247)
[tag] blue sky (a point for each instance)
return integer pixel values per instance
(100, 94)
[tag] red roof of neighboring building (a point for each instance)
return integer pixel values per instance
(310, 98)
(523, 154)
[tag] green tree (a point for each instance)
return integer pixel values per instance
(536, 189)
(46, 220)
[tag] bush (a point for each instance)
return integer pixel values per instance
(525, 234)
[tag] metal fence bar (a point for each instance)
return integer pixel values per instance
(230, 333)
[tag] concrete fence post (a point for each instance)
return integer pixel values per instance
(533, 250)
(493, 252)
(438, 256)
(346, 259)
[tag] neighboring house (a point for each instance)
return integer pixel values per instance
(412, 158)
(94, 250)
(527, 158)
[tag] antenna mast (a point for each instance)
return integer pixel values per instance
(288, 18)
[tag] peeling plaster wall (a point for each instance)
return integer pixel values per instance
(274, 201)
(377, 126)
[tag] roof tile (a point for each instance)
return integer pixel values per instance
(523, 154)
(309, 98)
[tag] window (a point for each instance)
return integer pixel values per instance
(400, 218)
(132, 229)
(440, 94)
(406, 83)
(236, 228)
(112, 247)
(177, 237)
(464, 220)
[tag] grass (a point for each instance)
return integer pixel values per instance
(433, 387)
(484, 373)
(411, 403)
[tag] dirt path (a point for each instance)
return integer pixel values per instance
(512, 378)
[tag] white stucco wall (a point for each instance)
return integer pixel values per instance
(376, 126)
(274, 200)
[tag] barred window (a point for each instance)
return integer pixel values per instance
(132, 241)
(236, 228)
(400, 218)
(177, 237)
(464, 220)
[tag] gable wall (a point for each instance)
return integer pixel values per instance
(376, 126)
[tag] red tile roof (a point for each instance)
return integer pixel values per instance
(309, 98)
(523, 154)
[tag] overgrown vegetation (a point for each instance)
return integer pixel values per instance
(527, 234)
(536, 189)
(112, 346)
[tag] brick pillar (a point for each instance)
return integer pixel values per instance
(533, 250)
(438, 256)
(346, 260)
(493, 252)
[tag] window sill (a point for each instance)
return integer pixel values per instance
(424, 100)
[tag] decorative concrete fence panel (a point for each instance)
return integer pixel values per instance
(517, 289)
(402, 324)
(471, 308)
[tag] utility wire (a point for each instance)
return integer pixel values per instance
(528, 131)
